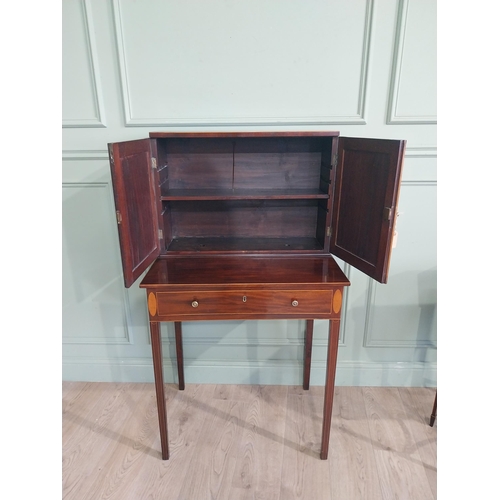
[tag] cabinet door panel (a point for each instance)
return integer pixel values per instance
(136, 205)
(367, 181)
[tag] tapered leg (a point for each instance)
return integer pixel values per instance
(307, 352)
(331, 366)
(434, 411)
(160, 389)
(180, 355)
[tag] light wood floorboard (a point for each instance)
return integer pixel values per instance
(353, 465)
(304, 475)
(400, 469)
(237, 442)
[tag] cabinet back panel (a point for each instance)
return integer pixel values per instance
(279, 163)
(272, 219)
(198, 163)
(244, 245)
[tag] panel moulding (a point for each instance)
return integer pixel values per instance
(99, 120)
(392, 113)
(82, 154)
(127, 339)
(358, 118)
(370, 342)
(421, 152)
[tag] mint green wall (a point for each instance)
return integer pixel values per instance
(365, 68)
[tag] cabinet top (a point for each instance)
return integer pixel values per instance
(243, 271)
(200, 135)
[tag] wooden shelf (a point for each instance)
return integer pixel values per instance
(243, 194)
(244, 245)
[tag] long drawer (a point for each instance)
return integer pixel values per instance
(260, 302)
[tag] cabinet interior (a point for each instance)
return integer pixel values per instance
(245, 194)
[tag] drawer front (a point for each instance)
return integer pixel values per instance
(272, 302)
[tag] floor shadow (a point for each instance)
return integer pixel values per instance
(110, 434)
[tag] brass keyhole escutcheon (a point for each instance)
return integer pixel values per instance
(295, 303)
(244, 298)
(194, 303)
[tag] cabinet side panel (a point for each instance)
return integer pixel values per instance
(167, 224)
(157, 181)
(329, 148)
(161, 156)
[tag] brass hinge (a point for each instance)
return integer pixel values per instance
(335, 160)
(387, 213)
(118, 217)
(160, 234)
(153, 162)
(329, 231)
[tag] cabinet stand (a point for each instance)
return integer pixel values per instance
(331, 363)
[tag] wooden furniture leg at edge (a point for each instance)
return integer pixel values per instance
(331, 366)
(434, 411)
(154, 328)
(307, 353)
(180, 355)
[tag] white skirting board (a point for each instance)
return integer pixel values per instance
(356, 373)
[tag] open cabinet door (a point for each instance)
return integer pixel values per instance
(367, 181)
(136, 208)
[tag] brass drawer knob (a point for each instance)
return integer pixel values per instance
(194, 303)
(295, 303)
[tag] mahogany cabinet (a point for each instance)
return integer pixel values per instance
(244, 226)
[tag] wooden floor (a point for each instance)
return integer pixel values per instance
(247, 442)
